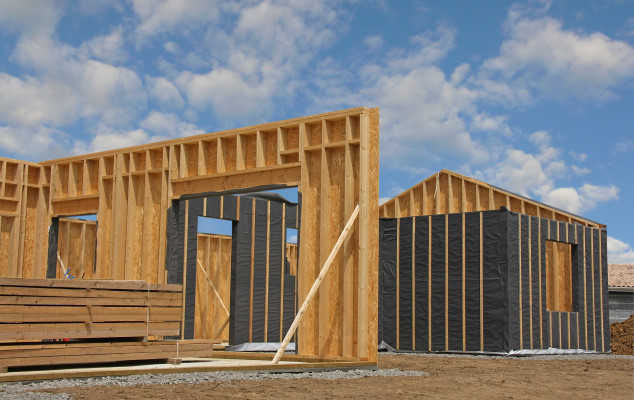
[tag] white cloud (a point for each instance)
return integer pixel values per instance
(30, 102)
(422, 112)
(110, 139)
(171, 47)
(165, 93)
(30, 17)
(69, 85)
(536, 174)
(374, 42)
(33, 143)
(108, 48)
(579, 170)
(252, 68)
(169, 125)
(582, 199)
(228, 93)
(521, 172)
(625, 146)
(541, 59)
(619, 252)
(158, 16)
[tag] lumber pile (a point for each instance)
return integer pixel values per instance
(40, 309)
(45, 354)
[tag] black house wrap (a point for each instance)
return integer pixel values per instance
(262, 301)
(476, 282)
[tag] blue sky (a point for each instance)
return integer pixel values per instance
(535, 97)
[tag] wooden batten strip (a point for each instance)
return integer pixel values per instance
(481, 286)
(601, 291)
(184, 268)
(585, 300)
(569, 344)
(252, 270)
(429, 281)
(398, 283)
(550, 319)
(283, 264)
(540, 266)
(447, 280)
(266, 289)
(413, 283)
(464, 277)
(560, 329)
(594, 311)
(519, 247)
(530, 278)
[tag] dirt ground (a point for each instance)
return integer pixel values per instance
(622, 337)
(449, 377)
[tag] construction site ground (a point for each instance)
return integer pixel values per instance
(448, 376)
(403, 376)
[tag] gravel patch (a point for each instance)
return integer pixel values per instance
(25, 391)
(581, 356)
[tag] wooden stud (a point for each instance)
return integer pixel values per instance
(398, 283)
(600, 293)
(253, 204)
(585, 300)
(481, 285)
(446, 282)
(413, 284)
(594, 311)
(464, 284)
(519, 248)
(530, 280)
(429, 281)
(267, 271)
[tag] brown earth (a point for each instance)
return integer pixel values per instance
(622, 336)
(449, 377)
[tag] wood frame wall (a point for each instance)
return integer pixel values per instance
(24, 199)
(332, 158)
(449, 192)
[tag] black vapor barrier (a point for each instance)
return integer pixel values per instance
(476, 282)
(262, 294)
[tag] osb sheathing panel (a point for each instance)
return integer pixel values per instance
(332, 158)
(448, 192)
(24, 196)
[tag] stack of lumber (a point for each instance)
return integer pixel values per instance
(45, 354)
(100, 321)
(40, 309)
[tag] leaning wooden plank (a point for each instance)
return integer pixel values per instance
(313, 290)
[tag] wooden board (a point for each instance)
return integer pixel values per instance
(90, 353)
